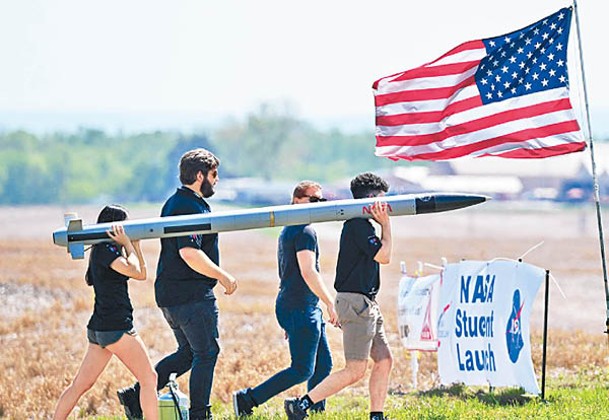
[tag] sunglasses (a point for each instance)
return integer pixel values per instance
(315, 199)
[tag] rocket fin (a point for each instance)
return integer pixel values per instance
(77, 251)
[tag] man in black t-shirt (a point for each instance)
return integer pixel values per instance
(187, 272)
(298, 313)
(357, 284)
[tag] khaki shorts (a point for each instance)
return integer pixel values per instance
(363, 327)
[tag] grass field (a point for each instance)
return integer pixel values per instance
(45, 304)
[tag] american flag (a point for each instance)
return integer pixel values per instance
(506, 96)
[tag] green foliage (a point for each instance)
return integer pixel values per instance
(91, 165)
(576, 396)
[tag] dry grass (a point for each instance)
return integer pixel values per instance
(44, 304)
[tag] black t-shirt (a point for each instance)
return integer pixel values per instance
(113, 310)
(176, 283)
(356, 269)
(293, 290)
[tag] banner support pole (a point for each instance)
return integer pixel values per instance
(545, 336)
(597, 201)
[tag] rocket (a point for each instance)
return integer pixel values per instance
(75, 236)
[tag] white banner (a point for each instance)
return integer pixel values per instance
(483, 326)
(418, 312)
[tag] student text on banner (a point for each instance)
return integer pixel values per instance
(483, 325)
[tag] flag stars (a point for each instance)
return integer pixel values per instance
(525, 62)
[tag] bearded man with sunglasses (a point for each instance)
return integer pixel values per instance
(298, 312)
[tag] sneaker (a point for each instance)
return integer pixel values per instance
(130, 400)
(242, 403)
(293, 410)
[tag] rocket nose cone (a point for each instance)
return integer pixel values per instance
(445, 202)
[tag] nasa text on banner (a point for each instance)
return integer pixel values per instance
(418, 312)
(483, 326)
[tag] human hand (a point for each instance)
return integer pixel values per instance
(380, 212)
(118, 235)
(333, 316)
(229, 283)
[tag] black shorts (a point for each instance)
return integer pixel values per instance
(105, 338)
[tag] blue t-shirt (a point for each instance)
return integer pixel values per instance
(176, 283)
(356, 269)
(113, 310)
(293, 291)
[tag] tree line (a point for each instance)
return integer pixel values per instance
(90, 164)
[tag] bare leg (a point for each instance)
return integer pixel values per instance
(132, 352)
(379, 381)
(92, 365)
(353, 371)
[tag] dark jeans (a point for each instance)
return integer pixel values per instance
(195, 326)
(309, 351)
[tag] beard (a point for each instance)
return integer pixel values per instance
(207, 189)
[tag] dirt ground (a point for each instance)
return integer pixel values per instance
(44, 303)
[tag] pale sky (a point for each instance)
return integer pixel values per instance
(223, 58)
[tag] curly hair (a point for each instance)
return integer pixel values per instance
(194, 161)
(368, 184)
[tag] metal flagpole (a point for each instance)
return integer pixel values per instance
(597, 200)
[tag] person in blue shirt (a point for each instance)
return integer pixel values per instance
(187, 272)
(298, 313)
(110, 330)
(357, 283)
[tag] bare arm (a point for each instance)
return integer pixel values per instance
(201, 263)
(134, 265)
(379, 212)
(306, 263)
